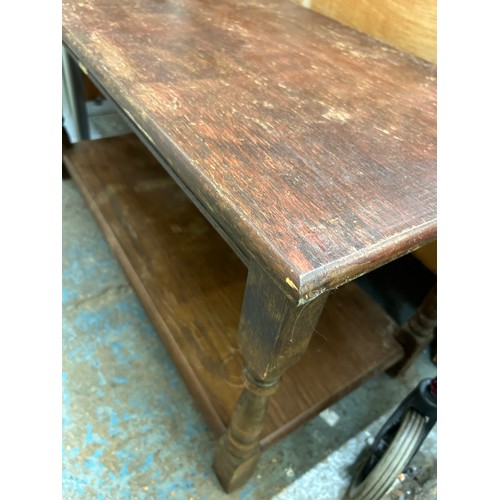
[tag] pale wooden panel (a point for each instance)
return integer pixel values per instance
(409, 25)
(428, 256)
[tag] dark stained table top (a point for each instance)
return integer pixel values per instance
(310, 146)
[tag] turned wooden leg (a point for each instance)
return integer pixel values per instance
(274, 332)
(417, 332)
(239, 450)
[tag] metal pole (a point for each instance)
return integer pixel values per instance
(73, 93)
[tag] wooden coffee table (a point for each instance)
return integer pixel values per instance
(278, 155)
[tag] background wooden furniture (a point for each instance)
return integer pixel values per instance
(308, 146)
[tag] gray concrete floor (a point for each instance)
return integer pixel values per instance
(130, 426)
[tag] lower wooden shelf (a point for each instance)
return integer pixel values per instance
(192, 285)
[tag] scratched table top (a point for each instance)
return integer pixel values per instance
(311, 147)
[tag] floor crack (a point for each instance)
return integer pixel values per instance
(107, 294)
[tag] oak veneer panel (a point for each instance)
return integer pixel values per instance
(192, 285)
(409, 25)
(310, 145)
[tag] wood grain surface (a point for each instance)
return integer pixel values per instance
(192, 286)
(312, 146)
(409, 25)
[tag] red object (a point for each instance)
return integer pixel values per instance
(433, 387)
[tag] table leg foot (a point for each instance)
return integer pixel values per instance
(233, 471)
(238, 451)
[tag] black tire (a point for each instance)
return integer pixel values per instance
(392, 463)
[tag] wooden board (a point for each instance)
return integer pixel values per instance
(409, 25)
(311, 146)
(192, 285)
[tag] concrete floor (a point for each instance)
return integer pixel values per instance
(130, 427)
